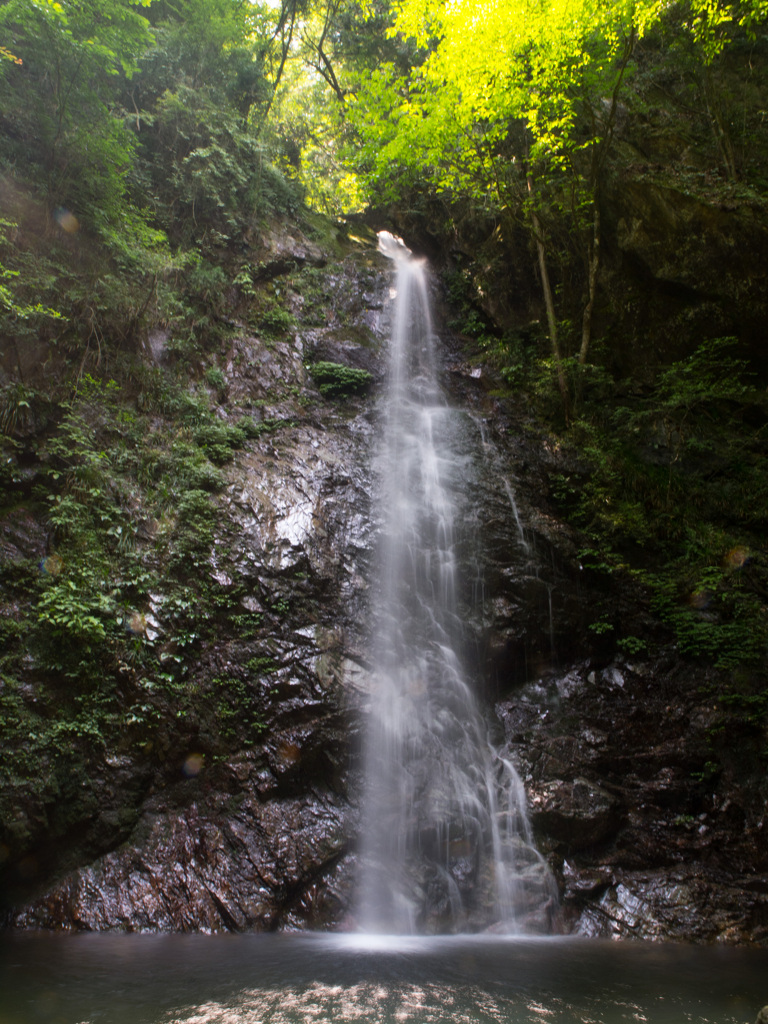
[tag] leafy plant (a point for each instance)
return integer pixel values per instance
(195, 522)
(335, 380)
(72, 615)
(632, 645)
(272, 318)
(219, 440)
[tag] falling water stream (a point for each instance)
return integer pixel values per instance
(447, 845)
(446, 842)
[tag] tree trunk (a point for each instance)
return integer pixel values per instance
(719, 130)
(549, 302)
(594, 266)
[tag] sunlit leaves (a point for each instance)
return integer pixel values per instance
(530, 61)
(6, 54)
(712, 22)
(540, 63)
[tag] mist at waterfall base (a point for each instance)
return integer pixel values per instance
(446, 845)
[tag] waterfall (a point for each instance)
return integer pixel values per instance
(446, 843)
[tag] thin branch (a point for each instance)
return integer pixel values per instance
(285, 47)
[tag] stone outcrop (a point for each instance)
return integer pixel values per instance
(233, 812)
(255, 827)
(650, 839)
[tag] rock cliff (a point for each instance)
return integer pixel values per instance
(208, 780)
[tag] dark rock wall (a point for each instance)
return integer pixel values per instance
(199, 835)
(650, 843)
(234, 812)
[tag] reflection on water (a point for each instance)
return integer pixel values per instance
(286, 979)
(377, 1002)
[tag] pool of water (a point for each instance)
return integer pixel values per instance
(282, 979)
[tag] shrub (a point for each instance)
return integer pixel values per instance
(334, 380)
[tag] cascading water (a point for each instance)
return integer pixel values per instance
(446, 842)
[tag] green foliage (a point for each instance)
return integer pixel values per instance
(206, 284)
(600, 627)
(336, 381)
(15, 406)
(713, 615)
(201, 87)
(547, 68)
(261, 665)
(689, 391)
(109, 624)
(61, 97)
(215, 378)
(712, 22)
(102, 459)
(632, 645)
(236, 710)
(76, 606)
(14, 311)
(211, 168)
(252, 429)
(488, 70)
(312, 128)
(673, 488)
(73, 614)
(126, 125)
(749, 707)
(247, 624)
(513, 113)
(185, 466)
(196, 518)
(219, 441)
(270, 317)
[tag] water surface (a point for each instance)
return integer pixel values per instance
(283, 979)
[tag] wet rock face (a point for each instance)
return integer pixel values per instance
(616, 761)
(579, 812)
(239, 810)
(234, 811)
(22, 536)
(207, 866)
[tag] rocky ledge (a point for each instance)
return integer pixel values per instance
(226, 798)
(654, 828)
